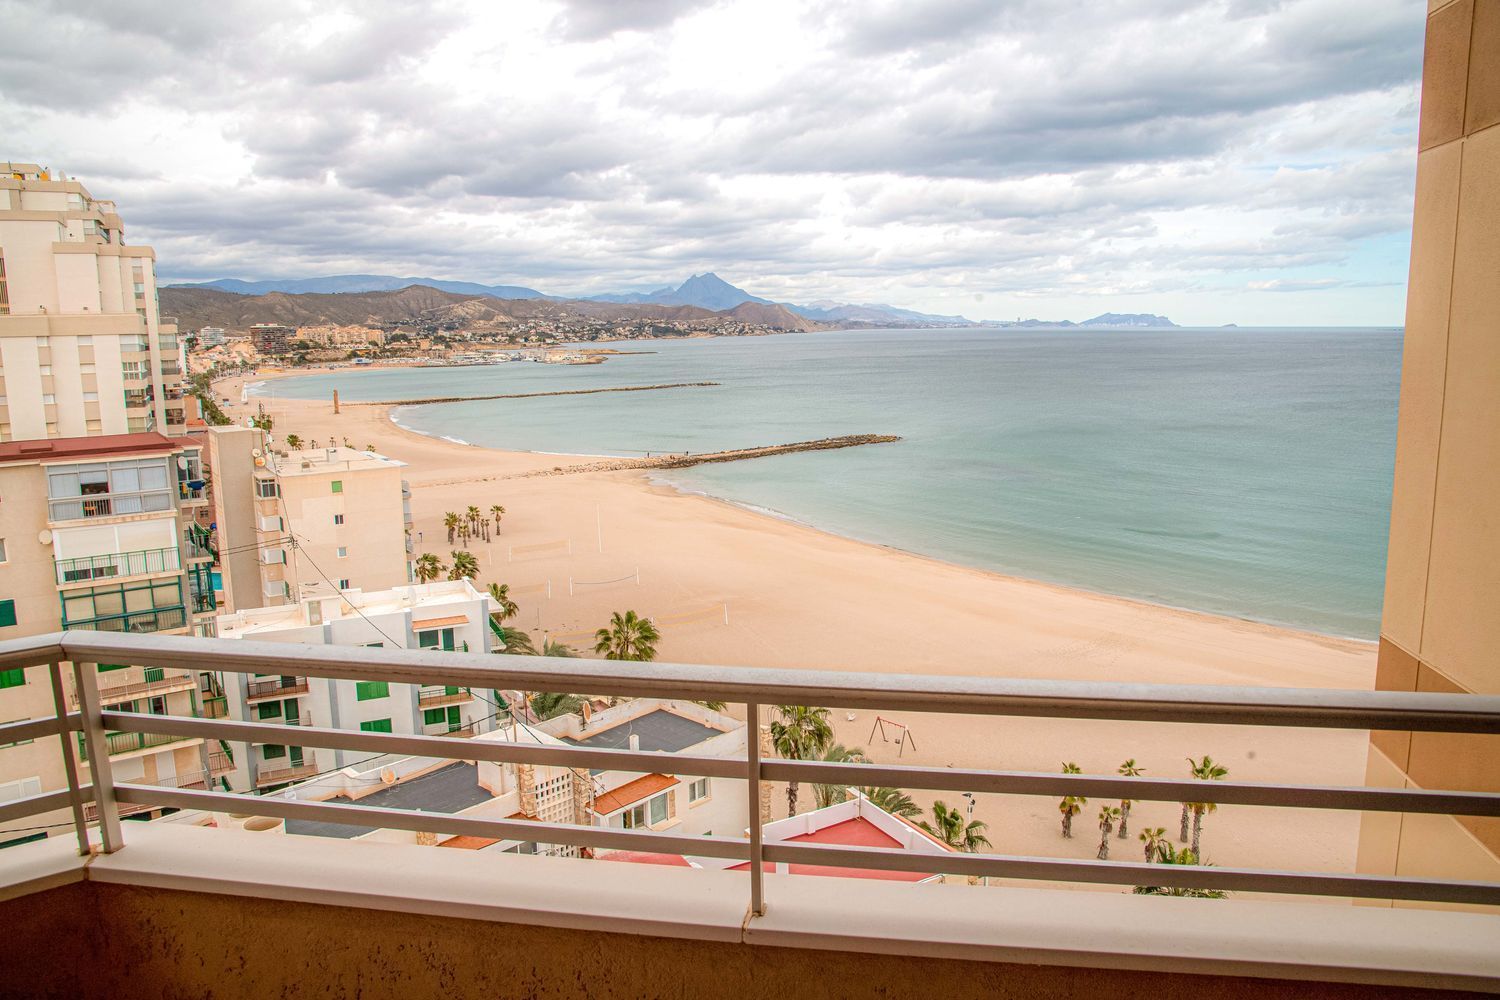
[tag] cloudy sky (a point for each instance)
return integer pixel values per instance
(1245, 161)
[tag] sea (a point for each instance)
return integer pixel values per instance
(1245, 472)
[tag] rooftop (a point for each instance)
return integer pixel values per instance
(659, 731)
(632, 792)
(449, 789)
(323, 461)
(429, 603)
(75, 449)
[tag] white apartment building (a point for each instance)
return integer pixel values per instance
(98, 533)
(292, 522)
(83, 349)
(451, 616)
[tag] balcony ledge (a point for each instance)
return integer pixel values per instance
(1294, 942)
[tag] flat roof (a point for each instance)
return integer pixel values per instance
(81, 448)
(449, 789)
(659, 731)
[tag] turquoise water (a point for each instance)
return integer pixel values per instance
(1245, 472)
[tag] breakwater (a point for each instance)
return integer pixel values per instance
(533, 395)
(688, 460)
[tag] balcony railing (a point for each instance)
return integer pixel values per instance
(156, 683)
(986, 696)
(155, 620)
(440, 696)
(113, 564)
(285, 775)
(276, 687)
(116, 743)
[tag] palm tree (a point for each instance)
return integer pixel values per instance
(1128, 770)
(500, 594)
(892, 800)
(465, 566)
(627, 638)
(801, 733)
(498, 512)
(1203, 770)
(293, 441)
(428, 567)
(548, 704)
(1071, 805)
(473, 515)
(551, 647)
(1154, 838)
(1107, 817)
(516, 642)
(1169, 855)
(835, 753)
(450, 521)
(948, 826)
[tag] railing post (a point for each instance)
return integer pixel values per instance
(87, 679)
(752, 783)
(70, 757)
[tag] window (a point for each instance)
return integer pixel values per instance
(2, 550)
(91, 397)
(698, 790)
(48, 398)
(376, 726)
(13, 678)
(46, 369)
(7, 613)
(370, 690)
(433, 716)
(268, 710)
(650, 812)
(343, 552)
(88, 368)
(338, 486)
(436, 639)
(338, 519)
(344, 583)
(266, 489)
(272, 751)
(85, 341)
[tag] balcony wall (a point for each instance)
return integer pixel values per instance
(199, 912)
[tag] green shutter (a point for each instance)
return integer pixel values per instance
(107, 667)
(376, 726)
(370, 690)
(12, 678)
(268, 710)
(7, 613)
(453, 716)
(274, 751)
(427, 640)
(432, 716)
(338, 486)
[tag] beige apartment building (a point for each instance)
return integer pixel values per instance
(99, 533)
(83, 349)
(291, 522)
(1441, 625)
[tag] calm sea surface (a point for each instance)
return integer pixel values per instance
(1245, 472)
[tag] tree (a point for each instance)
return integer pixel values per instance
(1107, 817)
(802, 733)
(465, 566)
(1153, 837)
(473, 515)
(293, 441)
(627, 638)
(500, 594)
(552, 647)
(1203, 770)
(1071, 805)
(1128, 770)
(498, 512)
(516, 642)
(428, 567)
(548, 704)
(892, 800)
(835, 753)
(450, 521)
(948, 826)
(1168, 855)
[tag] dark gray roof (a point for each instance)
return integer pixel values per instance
(449, 790)
(659, 731)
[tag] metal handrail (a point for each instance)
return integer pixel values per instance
(1421, 712)
(87, 568)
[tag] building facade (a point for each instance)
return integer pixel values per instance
(83, 349)
(450, 616)
(272, 338)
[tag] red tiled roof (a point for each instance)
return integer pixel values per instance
(857, 832)
(646, 858)
(632, 792)
(467, 843)
(75, 448)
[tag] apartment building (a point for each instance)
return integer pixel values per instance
(98, 533)
(290, 522)
(449, 616)
(272, 338)
(83, 349)
(211, 336)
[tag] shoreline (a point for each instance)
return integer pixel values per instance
(387, 410)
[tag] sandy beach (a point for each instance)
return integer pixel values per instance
(732, 586)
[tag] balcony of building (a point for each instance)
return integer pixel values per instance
(137, 683)
(285, 775)
(163, 619)
(275, 687)
(142, 562)
(195, 543)
(317, 915)
(122, 744)
(441, 696)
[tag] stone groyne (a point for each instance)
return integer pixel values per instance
(684, 461)
(534, 395)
